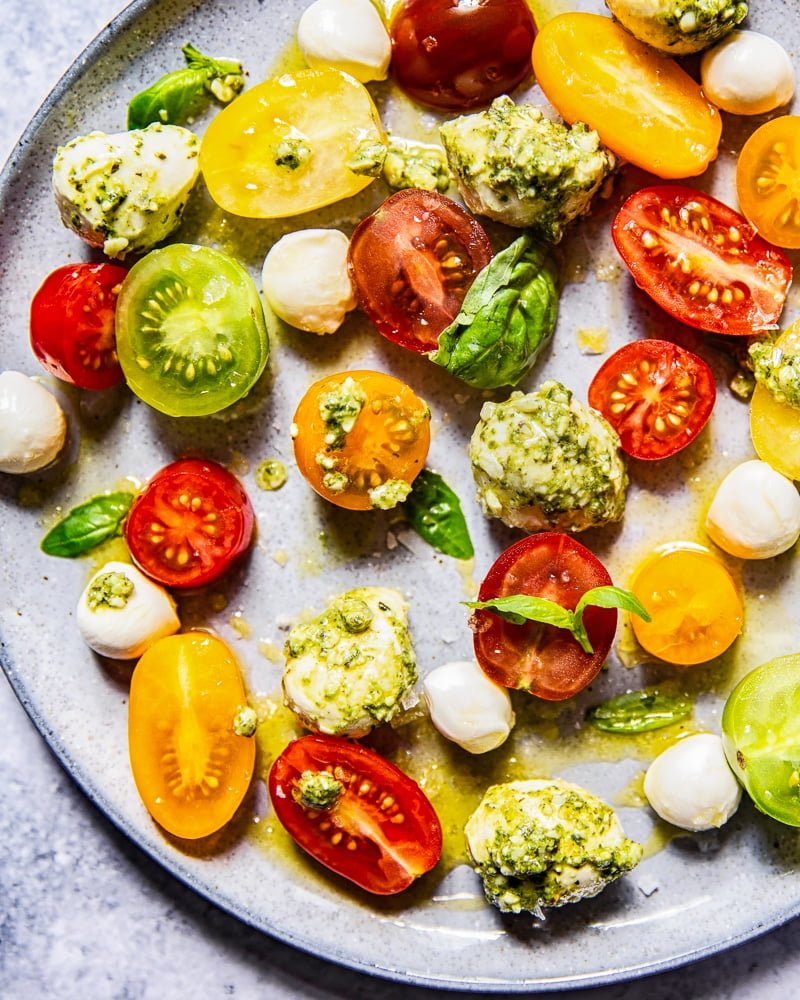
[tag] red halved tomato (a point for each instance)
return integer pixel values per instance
(542, 659)
(72, 324)
(191, 521)
(412, 262)
(701, 261)
(460, 55)
(657, 397)
(378, 829)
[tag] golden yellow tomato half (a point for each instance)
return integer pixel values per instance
(775, 426)
(695, 608)
(643, 105)
(191, 769)
(292, 144)
(768, 180)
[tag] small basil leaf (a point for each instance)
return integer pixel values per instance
(88, 525)
(434, 512)
(639, 712)
(605, 597)
(175, 96)
(506, 320)
(520, 608)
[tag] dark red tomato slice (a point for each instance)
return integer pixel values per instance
(454, 54)
(72, 324)
(381, 832)
(189, 523)
(701, 261)
(542, 659)
(657, 397)
(412, 262)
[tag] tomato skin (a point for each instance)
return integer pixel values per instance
(192, 771)
(396, 263)
(390, 854)
(667, 406)
(371, 447)
(72, 324)
(204, 519)
(544, 660)
(694, 605)
(643, 105)
(761, 737)
(455, 56)
(746, 278)
(768, 178)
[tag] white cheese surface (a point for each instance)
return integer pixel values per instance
(33, 427)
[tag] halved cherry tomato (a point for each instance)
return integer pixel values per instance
(387, 441)
(456, 55)
(72, 324)
(381, 832)
(191, 521)
(542, 659)
(657, 397)
(412, 262)
(768, 180)
(775, 425)
(190, 767)
(694, 605)
(292, 144)
(643, 105)
(701, 261)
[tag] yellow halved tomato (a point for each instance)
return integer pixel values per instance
(643, 105)
(292, 144)
(768, 181)
(190, 767)
(695, 608)
(359, 437)
(775, 425)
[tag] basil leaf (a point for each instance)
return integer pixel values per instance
(520, 608)
(434, 512)
(506, 320)
(605, 597)
(175, 96)
(88, 525)
(639, 712)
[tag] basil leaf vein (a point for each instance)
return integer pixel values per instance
(88, 525)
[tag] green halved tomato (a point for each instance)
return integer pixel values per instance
(761, 736)
(191, 334)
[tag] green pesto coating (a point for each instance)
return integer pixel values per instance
(679, 27)
(778, 370)
(110, 590)
(318, 790)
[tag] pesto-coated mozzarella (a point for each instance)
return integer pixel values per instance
(748, 74)
(121, 613)
(691, 785)
(755, 513)
(126, 192)
(306, 282)
(32, 424)
(467, 708)
(346, 34)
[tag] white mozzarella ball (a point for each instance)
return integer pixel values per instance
(755, 513)
(306, 282)
(747, 74)
(121, 613)
(33, 427)
(346, 34)
(691, 785)
(467, 708)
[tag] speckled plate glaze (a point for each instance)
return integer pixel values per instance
(699, 895)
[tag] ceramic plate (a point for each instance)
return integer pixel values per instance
(691, 898)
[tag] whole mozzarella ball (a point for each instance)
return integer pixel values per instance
(747, 74)
(306, 282)
(755, 513)
(33, 427)
(467, 708)
(348, 35)
(691, 785)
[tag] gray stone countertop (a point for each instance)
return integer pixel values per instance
(83, 912)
